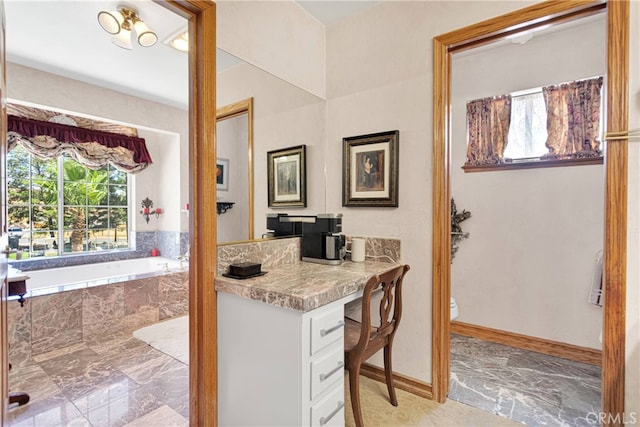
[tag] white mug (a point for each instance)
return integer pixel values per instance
(357, 249)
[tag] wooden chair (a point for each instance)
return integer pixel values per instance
(362, 340)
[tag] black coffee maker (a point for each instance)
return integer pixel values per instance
(321, 239)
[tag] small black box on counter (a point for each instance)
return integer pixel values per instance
(244, 269)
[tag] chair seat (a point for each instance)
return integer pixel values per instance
(351, 333)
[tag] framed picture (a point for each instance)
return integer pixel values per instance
(370, 170)
(222, 174)
(287, 177)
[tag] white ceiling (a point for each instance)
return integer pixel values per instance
(64, 37)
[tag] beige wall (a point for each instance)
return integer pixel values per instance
(268, 34)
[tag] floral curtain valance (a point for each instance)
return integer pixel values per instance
(91, 148)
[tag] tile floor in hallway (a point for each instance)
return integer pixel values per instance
(527, 387)
(124, 382)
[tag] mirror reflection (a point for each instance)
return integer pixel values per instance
(282, 116)
(235, 171)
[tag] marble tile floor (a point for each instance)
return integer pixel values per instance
(116, 382)
(124, 382)
(527, 387)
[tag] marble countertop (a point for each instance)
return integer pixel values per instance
(304, 286)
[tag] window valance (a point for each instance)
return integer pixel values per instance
(92, 148)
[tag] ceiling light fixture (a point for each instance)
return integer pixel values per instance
(120, 22)
(179, 41)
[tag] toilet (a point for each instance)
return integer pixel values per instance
(454, 309)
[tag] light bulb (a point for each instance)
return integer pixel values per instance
(110, 21)
(146, 37)
(122, 39)
(181, 43)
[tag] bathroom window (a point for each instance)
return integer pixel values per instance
(61, 207)
(558, 125)
(528, 129)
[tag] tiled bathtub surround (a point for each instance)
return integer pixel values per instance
(56, 321)
(170, 243)
(276, 252)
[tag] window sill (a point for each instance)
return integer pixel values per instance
(534, 164)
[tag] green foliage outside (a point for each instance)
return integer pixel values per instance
(95, 205)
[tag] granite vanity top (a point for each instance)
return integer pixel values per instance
(304, 286)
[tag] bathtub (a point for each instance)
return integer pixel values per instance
(70, 305)
(51, 280)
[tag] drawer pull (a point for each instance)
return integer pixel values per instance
(333, 371)
(324, 420)
(324, 332)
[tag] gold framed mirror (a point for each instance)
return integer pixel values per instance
(235, 143)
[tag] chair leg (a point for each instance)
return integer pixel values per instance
(388, 373)
(354, 389)
(18, 397)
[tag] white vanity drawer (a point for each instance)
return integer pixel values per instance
(327, 328)
(329, 411)
(326, 370)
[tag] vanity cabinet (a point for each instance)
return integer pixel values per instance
(278, 366)
(281, 343)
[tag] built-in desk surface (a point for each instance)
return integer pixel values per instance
(304, 286)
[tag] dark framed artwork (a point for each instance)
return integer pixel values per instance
(287, 177)
(222, 174)
(370, 170)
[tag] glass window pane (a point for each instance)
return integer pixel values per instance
(18, 191)
(44, 169)
(116, 176)
(75, 240)
(97, 194)
(73, 171)
(100, 240)
(41, 243)
(118, 195)
(528, 128)
(18, 163)
(118, 218)
(44, 192)
(75, 193)
(75, 217)
(98, 218)
(120, 237)
(44, 218)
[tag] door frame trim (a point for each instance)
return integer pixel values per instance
(203, 351)
(615, 230)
